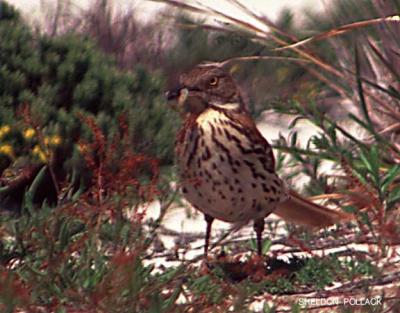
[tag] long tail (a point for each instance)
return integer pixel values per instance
(302, 211)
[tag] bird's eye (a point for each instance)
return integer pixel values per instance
(213, 81)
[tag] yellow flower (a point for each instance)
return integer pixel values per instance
(55, 140)
(29, 133)
(4, 130)
(52, 140)
(82, 148)
(7, 150)
(39, 153)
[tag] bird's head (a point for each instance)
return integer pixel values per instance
(206, 85)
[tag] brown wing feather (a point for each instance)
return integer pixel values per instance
(296, 209)
(243, 118)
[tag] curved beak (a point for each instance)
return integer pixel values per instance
(179, 94)
(173, 94)
(184, 102)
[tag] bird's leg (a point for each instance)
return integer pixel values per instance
(209, 219)
(259, 228)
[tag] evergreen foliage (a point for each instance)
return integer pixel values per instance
(61, 79)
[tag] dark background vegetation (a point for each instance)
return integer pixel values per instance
(85, 133)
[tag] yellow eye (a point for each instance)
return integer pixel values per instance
(213, 81)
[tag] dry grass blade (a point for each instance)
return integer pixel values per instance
(237, 21)
(341, 30)
(261, 34)
(246, 9)
(391, 128)
(382, 58)
(326, 196)
(204, 9)
(264, 57)
(259, 18)
(194, 25)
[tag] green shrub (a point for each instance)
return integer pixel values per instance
(47, 83)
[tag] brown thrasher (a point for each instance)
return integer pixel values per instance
(226, 166)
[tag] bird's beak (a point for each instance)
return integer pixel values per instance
(179, 94)
(173, 94)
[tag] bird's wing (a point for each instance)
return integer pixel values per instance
(293, 208)
(250, 130)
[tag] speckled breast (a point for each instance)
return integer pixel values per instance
(223, 173)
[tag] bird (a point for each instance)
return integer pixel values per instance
(226, 167)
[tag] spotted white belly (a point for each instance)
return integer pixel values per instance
(223, 173)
